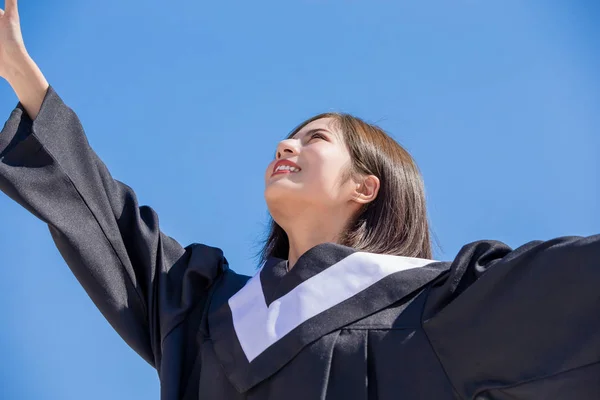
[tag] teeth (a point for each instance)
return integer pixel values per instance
(286, 168)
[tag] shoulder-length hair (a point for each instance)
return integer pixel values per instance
(396, 221)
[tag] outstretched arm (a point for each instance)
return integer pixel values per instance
(522, 323)
(143, 281)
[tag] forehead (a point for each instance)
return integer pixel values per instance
(326, 124)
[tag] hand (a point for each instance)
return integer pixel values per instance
(12, 47)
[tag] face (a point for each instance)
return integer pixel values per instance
(309, 168)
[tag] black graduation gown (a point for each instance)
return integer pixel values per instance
(495, 323)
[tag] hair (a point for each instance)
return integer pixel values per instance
(395, 222)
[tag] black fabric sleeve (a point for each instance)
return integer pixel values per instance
(504, 317)
(142, 281)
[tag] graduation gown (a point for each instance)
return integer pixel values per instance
(494, 323)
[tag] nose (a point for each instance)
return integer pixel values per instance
(286, 147)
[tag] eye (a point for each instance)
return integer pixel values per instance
(317, 135)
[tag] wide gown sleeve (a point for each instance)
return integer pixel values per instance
(142, 281)
(504, 317)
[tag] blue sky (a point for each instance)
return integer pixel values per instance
(185, 101)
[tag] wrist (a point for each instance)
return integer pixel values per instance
(19, 63)
(29, 83)
(22, 70)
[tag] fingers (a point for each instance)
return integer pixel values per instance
(10, 6)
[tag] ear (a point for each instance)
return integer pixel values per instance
(367, 189)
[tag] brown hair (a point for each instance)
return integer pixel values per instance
(396, 221)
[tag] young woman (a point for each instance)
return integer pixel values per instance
(347, 304)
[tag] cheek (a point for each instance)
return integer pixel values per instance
(327, 174)
(330, 163)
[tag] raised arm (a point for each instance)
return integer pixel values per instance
(16, 66)
(143, 281)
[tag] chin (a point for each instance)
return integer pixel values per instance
(282, 184)
(283, 193)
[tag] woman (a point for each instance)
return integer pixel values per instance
(347, 304)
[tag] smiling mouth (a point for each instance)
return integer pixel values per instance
(285, 169)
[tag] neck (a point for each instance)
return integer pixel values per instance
(307, 229)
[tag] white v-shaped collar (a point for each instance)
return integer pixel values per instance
(259, 326)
